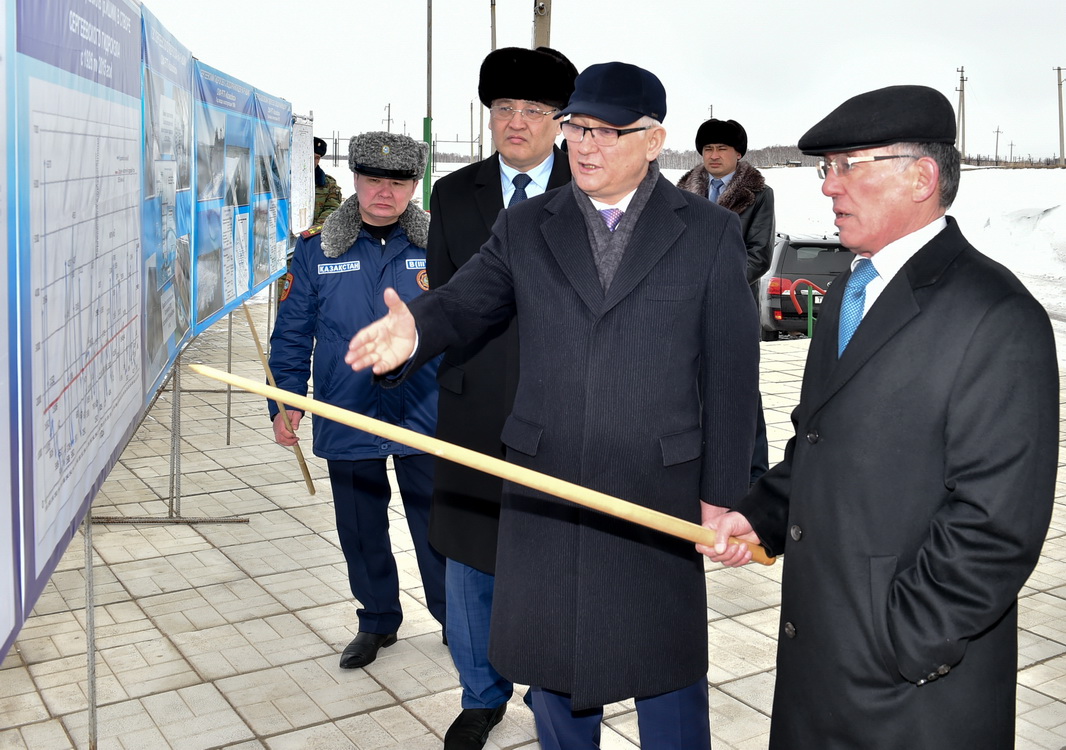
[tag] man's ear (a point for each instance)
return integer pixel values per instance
(656, 140)
(927, 180)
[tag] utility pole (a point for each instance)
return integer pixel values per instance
(710, 111)
(542, 23)
(388, 118)
(1062, 150)
(1011, 159)
(998, 132)
(960, 140)
(427, 124)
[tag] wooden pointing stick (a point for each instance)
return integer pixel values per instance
(604, 503)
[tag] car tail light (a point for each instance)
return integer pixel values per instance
(778, 315)
(778, 285)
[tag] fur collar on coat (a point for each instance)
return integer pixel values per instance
(343, 226)
(739, 195)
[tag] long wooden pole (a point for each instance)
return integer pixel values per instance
(283, 413)
(604, 503)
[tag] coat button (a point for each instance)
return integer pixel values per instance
(386, 446)
(790, 630)
(796, 533)
(813, 437)
(943, 669)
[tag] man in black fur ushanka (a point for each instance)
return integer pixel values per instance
(375, 240)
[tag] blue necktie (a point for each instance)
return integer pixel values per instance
(854, 301)
(716, 189)
(520, 181)
(611, 217)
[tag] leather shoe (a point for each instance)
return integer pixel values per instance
(471, 728)
(364, 649)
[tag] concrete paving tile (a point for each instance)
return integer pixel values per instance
(160, 575)
(1048, 678)
(46, 734)
(19, 701)
(196, 717)
(301, 695)
(408, 672)
(735, 591)
(319, 518)
(63, 684)
(734, 724)
(149, 668)
(209, 606)
(738, 651)
(311, 588)
(48, 637)
(127, 543)
(263, 526)
(280, 555)
(65, 590)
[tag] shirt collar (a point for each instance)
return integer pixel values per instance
(539, 174)
(889, 259)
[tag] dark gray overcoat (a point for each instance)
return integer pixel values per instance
(477, 381)
(647, 393)
(911, 507)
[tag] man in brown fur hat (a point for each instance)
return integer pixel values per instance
(734, 184)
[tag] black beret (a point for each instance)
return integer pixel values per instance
(896, 114)
(320, 146)
(536, 75)
(729, 132)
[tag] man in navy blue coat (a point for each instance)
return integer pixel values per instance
(638, 357)
(375, 240)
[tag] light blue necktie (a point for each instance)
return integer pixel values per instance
(716, 190)
(854, 301)
(520, 181)
(611, 217)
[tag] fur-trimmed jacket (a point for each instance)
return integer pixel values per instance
(746, 194)
(333, 289)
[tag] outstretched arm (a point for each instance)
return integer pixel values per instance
(388, 342)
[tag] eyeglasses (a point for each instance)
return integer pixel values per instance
(842, 165)
(600, 136)
(528, 113)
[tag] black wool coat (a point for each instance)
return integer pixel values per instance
(911, 507)
(646, 392)
(477, 381)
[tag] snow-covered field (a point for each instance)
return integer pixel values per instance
(1016, 216)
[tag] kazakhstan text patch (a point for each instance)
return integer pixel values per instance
(352, 265)
(415, 264)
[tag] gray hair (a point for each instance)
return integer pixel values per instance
(947, 159)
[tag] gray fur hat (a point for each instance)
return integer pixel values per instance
(389, 155)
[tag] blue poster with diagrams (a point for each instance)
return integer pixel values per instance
(167, 208)
(271, 231)
(77, 122)
(10, 518)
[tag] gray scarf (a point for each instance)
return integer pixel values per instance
(608, 247)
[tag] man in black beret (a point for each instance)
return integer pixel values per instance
(523, 89)
(637, 376)
(914, 499)
(735, 184)
(328, 195)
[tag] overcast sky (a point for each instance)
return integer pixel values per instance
(777, 66)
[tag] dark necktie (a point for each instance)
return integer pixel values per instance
(854, 301)
(611, 217)
(716, 190)
(520, 182)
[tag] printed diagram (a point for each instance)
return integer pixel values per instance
(85, 276)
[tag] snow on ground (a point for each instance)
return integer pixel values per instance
(1015, 216)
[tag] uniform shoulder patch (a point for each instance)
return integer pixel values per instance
(423, 280)
(309, 233)
(286, 287)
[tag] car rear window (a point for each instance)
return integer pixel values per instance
(815, 259)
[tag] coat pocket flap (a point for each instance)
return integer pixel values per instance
(523, 437)
(681, 447)
(450, 377)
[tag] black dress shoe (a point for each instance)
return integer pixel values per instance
(471, 728)
(364, 649)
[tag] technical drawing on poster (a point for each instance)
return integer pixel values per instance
(85, 295)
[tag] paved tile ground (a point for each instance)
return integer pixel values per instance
(227, 635)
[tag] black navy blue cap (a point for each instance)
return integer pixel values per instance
(617, 93)
(896, 114)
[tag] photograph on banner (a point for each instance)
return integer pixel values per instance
(224, 133)
(77, 121)
(166, 215)
(301, 174)
(272, 235)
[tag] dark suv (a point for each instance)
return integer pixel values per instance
(801, 271)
